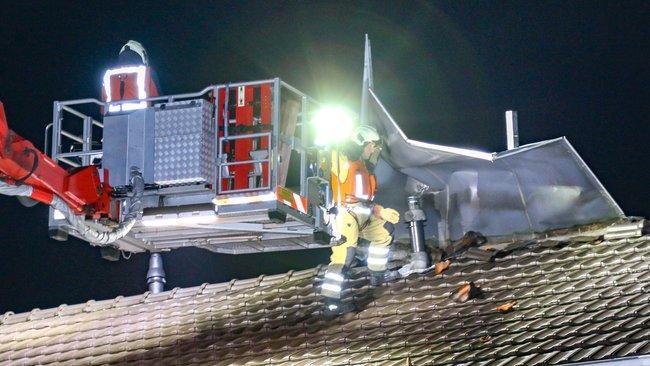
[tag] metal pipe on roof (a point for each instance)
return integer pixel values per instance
(415, 218)
(156, 274)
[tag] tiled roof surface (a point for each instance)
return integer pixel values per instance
(582, 300)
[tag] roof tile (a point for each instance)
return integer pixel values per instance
(581, 301)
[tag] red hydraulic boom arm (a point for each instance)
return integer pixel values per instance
(22, 163)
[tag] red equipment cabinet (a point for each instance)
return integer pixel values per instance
(249, 111)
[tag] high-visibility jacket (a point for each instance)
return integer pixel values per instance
(128, 82)
(354, 183)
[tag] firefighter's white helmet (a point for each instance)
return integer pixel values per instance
(136, 47)
(364, 134)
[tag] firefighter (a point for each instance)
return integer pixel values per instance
(357, 215)
(130, 78)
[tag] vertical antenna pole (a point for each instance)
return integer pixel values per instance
(367, 82)
(512, 130)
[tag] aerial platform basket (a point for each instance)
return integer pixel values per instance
(225, 168)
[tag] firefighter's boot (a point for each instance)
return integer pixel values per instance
(377, 278)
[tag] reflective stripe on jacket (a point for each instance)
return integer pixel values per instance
(354, 184)
(125, 83)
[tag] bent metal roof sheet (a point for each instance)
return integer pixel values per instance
(576, 301)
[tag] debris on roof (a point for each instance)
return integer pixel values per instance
(466, 292)
(441, 266)
(480, 254)
(471, 239)
(472, 246)
(504, 308)
(575, 300)
(485, 339)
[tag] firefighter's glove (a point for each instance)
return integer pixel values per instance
(389, 215)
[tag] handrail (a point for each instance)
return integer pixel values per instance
(80, 101)
(78, 154)
(298, 92)
(69, 162)
(81, 115)
(230, 163)
(273, 137)
(172, 97)
(72, 136)
(246, 136)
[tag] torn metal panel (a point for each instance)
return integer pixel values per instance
(528, 189)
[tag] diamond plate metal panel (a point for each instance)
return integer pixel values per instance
(184, 143)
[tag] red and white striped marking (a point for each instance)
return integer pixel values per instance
(292, 199)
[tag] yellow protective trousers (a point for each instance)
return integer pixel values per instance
(369, 227)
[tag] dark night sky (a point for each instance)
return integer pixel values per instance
(446, 70)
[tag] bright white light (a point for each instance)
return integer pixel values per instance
(332, 125)
(58, 215)
(183, 218)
